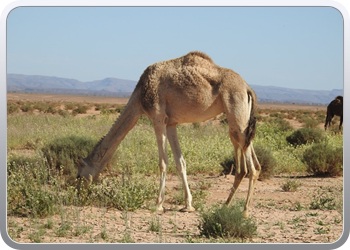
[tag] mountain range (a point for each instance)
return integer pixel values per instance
(123, 88)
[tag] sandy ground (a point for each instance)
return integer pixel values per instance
(281, 217)
(66, 98)
(117, 100)
(275, 212)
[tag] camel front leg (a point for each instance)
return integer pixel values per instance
(160, 130)
(180, 166)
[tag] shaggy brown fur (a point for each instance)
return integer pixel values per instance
(335, 107)
(188, 89)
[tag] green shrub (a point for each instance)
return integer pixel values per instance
(101, 106)
(278, 115)
(69, 106)
(64, 152)
(228, 165)
(119, 109)
(12, 108)
(310, 122)
(27, 107)
(27, 192)
(63, 113)
(51, 110)
(79, 110)
(305, 135)
(326, 198)
(290, 185)
(267, 161)
(124, 192)
(323, 159)
(226, 221)
(40, 106)
(107, 111)
(282, 125)
(18, 161)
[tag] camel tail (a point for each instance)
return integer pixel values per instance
(250, 130)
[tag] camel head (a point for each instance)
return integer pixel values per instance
(85, 174)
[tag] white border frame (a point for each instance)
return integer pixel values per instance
(249, 3)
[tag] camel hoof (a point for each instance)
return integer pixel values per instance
(245, 214)
(188, 209)
(160, 210)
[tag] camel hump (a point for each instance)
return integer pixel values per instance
(193, 54)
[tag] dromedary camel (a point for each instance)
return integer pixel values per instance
(188, 89)
(335, 107)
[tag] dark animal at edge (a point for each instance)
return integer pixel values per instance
(335, 107)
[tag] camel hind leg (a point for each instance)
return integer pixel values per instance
(238, 110)
(246, 163)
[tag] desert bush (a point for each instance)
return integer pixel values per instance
(27, 107)
(305, 135)
(64, 152)
(265, 158)
(107, 111)
(101, 106)
(310, 122)
(278, 115)
(124, 192)
(228, 165)
(327, 198)
(51, 110)
(79, 110)
(282, 125)
(63, 113)
(323, 159)
(40, 106)
(19, 161)
(226, 221)
(27, 192)
(12, 108)
(120, 108)
(69, 106)
(290, 185)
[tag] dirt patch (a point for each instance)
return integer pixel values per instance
(65, 98)
(281, 217)
(291, 106)
(119, 100)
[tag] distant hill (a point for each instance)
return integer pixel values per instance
(299, 96)
(123, 88)
(56, 85)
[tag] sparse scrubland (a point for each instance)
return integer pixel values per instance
(299, 197)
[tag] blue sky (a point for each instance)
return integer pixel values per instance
(293, 47)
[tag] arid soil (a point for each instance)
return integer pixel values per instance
(281, 217)
(116, 100)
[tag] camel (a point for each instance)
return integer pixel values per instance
(188, 89)
(335, 107)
